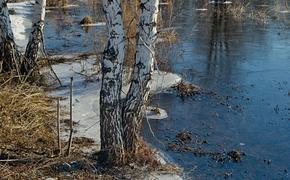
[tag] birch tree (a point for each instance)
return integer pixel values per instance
(121, 122)
(112, 146)
(144, 63)
(9, 56)
(35, 37)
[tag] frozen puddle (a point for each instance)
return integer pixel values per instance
(86, 95)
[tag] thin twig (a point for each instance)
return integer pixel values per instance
(47, 59)
(58, 126)
(16, 160)
(152, 132)
(71, 117)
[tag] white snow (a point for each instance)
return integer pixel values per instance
(220, 2)
(201, 9)
(160, 176)
(151, 114)
(284, 11)
(86, 94)
(94, 24)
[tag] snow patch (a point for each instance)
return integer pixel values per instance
(220, 2)
(201, 9)
(94, 24)
(86, 96)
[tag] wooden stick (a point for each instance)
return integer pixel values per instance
(58, 126)
(71, 117)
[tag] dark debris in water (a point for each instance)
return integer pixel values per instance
(184, 137)
(186, 90)
(235, 155)
(228, 175)
(184, 142)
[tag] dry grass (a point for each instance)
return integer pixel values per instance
(241, 11)
(145, 156)
(28, 140)
(168, 37)
(26, 122)
(28, 143)
(149, 160)
(185, 89)
(56, 3)
(26, 129)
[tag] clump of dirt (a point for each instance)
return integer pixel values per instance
(156, 110)
(184, 137)
(86, 20)
(236, 156)
(231, 156)
(184, 142)
(185, 89)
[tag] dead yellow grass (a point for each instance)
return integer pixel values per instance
(26, 122)
(242, 11)
(56, 3)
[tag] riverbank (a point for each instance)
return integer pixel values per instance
(86, 141)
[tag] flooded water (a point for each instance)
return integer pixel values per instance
(244, 71)
(65, 35)
(243, 68)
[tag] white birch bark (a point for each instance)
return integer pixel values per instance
(137, 96)
(35, 37)
(110, 96)
(9, 56)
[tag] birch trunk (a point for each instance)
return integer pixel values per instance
(9, 56)
(137, 96)
(35, 37)
(112, 149)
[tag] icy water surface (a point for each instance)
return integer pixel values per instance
(65, 35)
(244, 71)
(243, 68)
